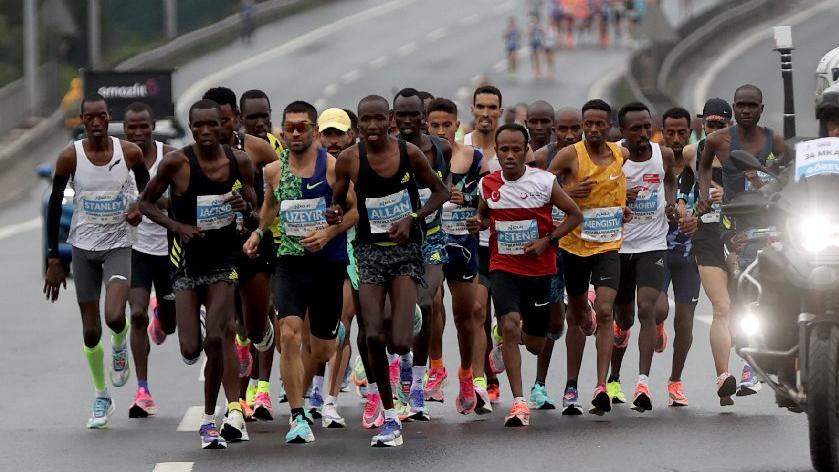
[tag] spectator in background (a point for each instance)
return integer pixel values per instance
(247, 20)
(550, 46)
(70, 104)
(537, 46)
(512, 40)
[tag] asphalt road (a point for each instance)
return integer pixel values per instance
(44, 371)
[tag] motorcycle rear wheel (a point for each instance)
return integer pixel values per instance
(823, 397)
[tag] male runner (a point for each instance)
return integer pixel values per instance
(540, 123)
(101, 240)
(388, 238)
(462, 268)
(200, 179)
(593, 171)
(149, 265)
(569, 131)
(765, 144)
(254, 275)
(516, 205)
(409, 114)
(650, 189)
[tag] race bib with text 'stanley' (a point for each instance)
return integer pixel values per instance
(103, 207)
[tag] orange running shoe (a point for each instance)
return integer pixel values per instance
(677, 395)
(642, 402)
(494, 392)
(660, 338)
(621, 337)
(247, 411)
(519, 415)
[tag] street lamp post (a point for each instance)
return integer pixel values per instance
(783, 44)
(94, 38)
(30, 56)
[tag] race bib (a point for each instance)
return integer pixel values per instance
(602, 225)
(645, 205)
(763, 176)
(301, 217)
(513, 236)
(454, 218)
(557, 215)
(425, 194)
(712, 216)
(383, 212)
(816, 157)
(103, 207)
(212, 212)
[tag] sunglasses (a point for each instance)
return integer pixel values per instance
(300, 127)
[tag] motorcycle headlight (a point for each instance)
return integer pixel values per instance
(750, 324)
(817, 233)
(68, 196)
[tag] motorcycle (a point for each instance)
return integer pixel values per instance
(789, 321)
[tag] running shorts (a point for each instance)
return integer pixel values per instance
(262, 264)
(195, 280)
(434, 249)
(483, 267)
(643, 269)
(600, 270)
(378, 265)
(683, 273)
(528, 296)
(463, 259)
(313, 287)
(148, 270)
(708, 247)
(91, 268)
(557, 281)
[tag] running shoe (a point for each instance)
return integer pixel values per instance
(120, 369)
(267, 339)
(519, 415)
(403, 411)
(406, 379)
(299, 431)
(495, 335)
(315, 403)
(466, 399)
(417, 320)
(438, 379)
(600, 404)
(539, 398)
(496, 360)
(749, 382)
(642, 401)
(331, 418)
(660, 338)
(247, 411)
(494, 392)
(361, 391)
(262, 408)
(484, 405)
(373, 416)
(416, 400)
(143, 405)
(281, 396)
(393, 371)
(210, 437)
(233, 427)
(345, 381)
(615, 392)
(156, 333)
(250, 395)
(726, 387)
(389, 436)
(677, 394)
(621, 337)
(245, 358)
(103, 407)
(359, 375)
(571, 405)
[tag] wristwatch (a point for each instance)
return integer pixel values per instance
(553, 239)
(414, 215)
(259, 232)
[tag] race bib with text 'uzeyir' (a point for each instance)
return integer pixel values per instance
(302, 217)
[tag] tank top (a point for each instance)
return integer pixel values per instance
(602, 227)
(203, 205)
(383, 201)
(493, 165)
(454, 216)
(709, 224)
(734, 182)
(519, 213)
(648, 229)
(151, 237)
(432, 221)
(102, 196)
(303, 203)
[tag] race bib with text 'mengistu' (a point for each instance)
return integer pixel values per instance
(383, 212)
(513, 236)
(644, 207)
(301, 217)
(212, 212)
(454, 218)
(103, 207)
(602, 225)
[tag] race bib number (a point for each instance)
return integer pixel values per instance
(454, 218)
(602, 225)
(425, 194)
(712, 216)
(301, 217)
(557, 215)
(103, 207)
(645, 205)
(513, 236)
(816, 157)
(383, 212)
(212, 212)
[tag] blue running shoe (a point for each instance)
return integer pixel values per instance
(315, 403)
(120, 368)
(389, 436)
(406, 379)
(299, 431)
(571, 405)
(416, 401)
(539, 398)
(210, 437)
(749, 382)
(103, 407)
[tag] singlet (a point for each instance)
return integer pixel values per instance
(454, 216)
(648, 229)
(493, 165)
(102, 196)
(519, 213)
(602, 227)
(733, 180)
(151, 237)
(203, 205)
(432, 221)
(383, 201)
(678, 242)
(709, 224)
(303, 203)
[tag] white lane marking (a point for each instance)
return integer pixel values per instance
(193, 92)
(192, 418)
(406, 49)
(18, 228)
(351, 76)
(469, 20)
(379, 62)
(173, 467)
(330, 90)
(437, 34)
(703, 85)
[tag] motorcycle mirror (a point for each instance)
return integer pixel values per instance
(44, 171)
(744, 161)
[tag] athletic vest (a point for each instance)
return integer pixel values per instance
(151, 237)
(303, 203)
(648, 229)
(519, 213)
(432, 221)
(602, 227)
(734, 182)
(383, 201)
(203, 205)
(102, 196)
(493, 165)
(454, 216)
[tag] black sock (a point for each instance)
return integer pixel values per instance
(614, 378)
(297, 411)
(540, 382)
(571, 383)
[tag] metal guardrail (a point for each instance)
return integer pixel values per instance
(13, 104)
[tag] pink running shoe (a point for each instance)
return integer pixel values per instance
(394, 376)
(438, 378)
(143, 406)
(156, 333)
(467, 399)
(262, 408)
(373, 416)
(245, 359)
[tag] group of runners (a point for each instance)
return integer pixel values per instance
(253, 242)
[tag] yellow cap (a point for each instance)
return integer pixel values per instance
(334, 118)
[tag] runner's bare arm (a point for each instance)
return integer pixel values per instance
(134, 161)
(481, 219)
(260, 151)
(422, 169)
(248, 194)
(689, 156)
(573, 215)
(778, 146)
(540, 158)
(706, 162)
(270, 209)
(669, 177)
(343, 177)
(165, 178)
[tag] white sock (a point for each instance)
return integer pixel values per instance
(317, 382)
(330, 400)
(372, 388)
(253, 382)
(391, 357)
(207, 419)
(518, 399)
(390, 414)
(418, 374)
(642, 379)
